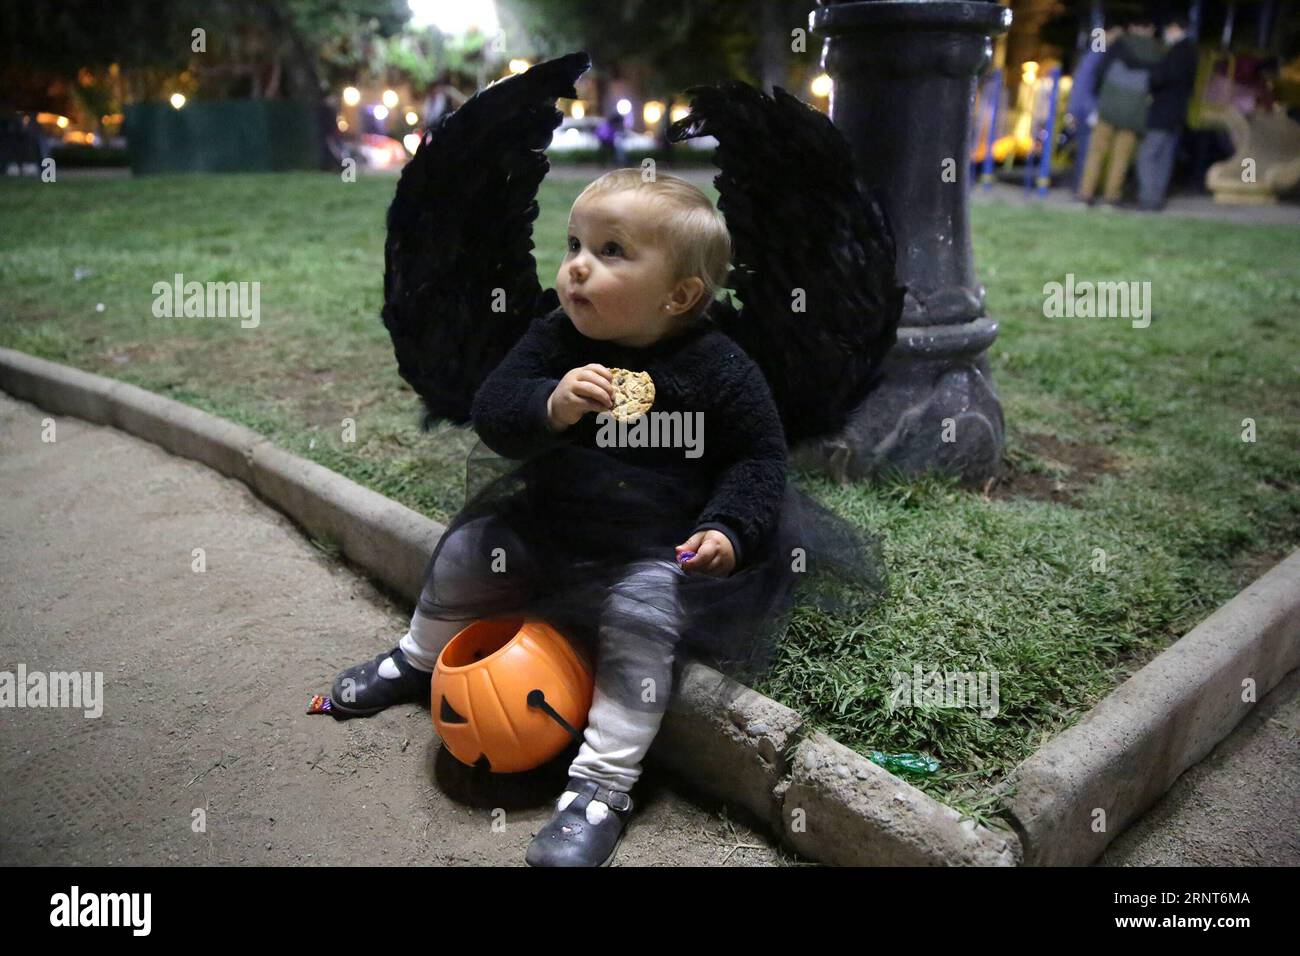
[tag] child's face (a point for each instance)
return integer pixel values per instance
(615, 282)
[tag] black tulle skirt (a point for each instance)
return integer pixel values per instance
(589, 542)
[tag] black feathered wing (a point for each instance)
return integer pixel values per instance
(814, 259)
(460, 281)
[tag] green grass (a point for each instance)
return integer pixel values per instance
(1138, 429)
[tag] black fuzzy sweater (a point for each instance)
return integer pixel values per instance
(703, 370)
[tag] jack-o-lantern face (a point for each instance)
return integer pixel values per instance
(482, 686)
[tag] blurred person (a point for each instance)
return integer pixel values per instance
(442, 98)
(1082, 105)
(1122, 99)
(1172, 80)
(610, 134)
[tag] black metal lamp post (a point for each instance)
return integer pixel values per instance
(904, 75)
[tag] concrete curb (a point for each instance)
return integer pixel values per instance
(842, 808)
(1079, 791)
(825, 800)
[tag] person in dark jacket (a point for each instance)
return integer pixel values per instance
(1172, 81)
(1123, 95)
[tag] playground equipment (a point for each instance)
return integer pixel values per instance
(1265, 164)
(1029, 131)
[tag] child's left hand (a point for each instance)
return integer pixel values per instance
(713, 553)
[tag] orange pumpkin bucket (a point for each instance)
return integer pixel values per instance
(511, 691)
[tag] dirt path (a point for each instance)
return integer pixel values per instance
(1240, 806)
(206, 677)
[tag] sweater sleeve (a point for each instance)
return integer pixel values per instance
(509, 409)
(750, 487)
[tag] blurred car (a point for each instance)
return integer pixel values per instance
(23, 146)
(382, 152)
(580, 134)
(637, 141)
(701, 142)
(575, 134)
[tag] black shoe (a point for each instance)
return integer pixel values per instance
(569, 840)
(368, 693)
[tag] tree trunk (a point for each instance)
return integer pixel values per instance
(273, 85)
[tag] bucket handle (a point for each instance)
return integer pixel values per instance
(538, 699)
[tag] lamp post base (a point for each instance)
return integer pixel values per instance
(934, 410)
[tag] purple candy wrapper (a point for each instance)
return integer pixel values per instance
(320, 704)
(684, 556)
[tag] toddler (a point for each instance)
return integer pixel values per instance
(592, 530)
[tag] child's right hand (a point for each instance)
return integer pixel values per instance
(582, 390)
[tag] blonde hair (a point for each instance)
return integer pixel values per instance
(689, 227)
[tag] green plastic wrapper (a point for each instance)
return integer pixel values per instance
(905, 763)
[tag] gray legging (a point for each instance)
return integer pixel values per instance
(636, 651)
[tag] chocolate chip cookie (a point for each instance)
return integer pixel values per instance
(634, 394)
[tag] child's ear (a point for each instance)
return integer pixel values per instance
(688, 292)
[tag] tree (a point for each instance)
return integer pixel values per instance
(249, 48)
(677, 43)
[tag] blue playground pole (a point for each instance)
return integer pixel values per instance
(986, 176)
(1049, 137)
